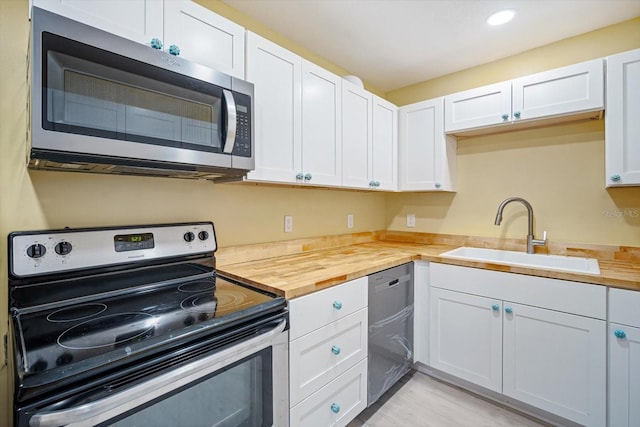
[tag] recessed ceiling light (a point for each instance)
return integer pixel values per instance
(501, 17)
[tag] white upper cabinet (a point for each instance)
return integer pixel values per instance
(622, 124)
(427, 156)
(383, 155)
(321, 126)
(277, 77)
(201, 35)
(567, 93)
(369, 140)
(480, 107)
(357, 136)
(142, 21)
(204, 37)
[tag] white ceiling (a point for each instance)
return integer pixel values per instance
(395, 43)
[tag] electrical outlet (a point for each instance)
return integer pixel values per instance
(349, 220)
(288, 223)
(411, 220)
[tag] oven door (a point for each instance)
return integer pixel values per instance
(243, 385)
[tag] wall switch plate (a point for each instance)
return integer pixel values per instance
(349, 220)
(411, 220)
(288, 223)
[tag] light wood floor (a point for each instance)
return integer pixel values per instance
(418, 400)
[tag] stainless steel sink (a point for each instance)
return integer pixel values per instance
(521, 259)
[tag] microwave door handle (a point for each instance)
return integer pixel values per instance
(231, 124)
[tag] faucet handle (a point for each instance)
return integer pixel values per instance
(544, 236)
(540, 242)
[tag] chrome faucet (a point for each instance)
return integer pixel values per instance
(531, 242)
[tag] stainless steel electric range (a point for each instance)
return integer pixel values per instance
(131, 326)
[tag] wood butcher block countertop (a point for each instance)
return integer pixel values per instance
(298, 274)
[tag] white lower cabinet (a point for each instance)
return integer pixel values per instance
(556, 362)
(539, 341)
(624, 358)
(328, 355)
(337, 403)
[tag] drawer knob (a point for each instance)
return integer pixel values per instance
(299, 176)
(335, 408)
(508, 310)
(505, 116)
(517, 114)
(495, 307)
(308, 177)
(156, 43)
(335, 350)
(619, 333)
(337, 305)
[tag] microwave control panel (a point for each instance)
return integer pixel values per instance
(242, 146)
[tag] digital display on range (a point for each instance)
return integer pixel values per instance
(133, 242)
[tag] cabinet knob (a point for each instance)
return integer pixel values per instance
(619, 333)
(174, 50)
(337, 305)
(517, 114)
(615, 177)
(307, 177)
(438, 185)
(495, 307)
(335, 350)
(299, 176)
(372, 183)
(508, 310)
(156, 43)
(335, 408)
(377, 183)
(505, 117)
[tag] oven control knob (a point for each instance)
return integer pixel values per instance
(189, 236)
(203, 235)
(36, 250)
(63, 248)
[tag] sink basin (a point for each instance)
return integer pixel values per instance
(522, 259)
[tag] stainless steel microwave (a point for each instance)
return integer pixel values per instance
(102, 103)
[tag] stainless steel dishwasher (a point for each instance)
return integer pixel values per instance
(390, 328)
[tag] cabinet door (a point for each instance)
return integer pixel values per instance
(567, 90)
(321, 120)
(427, 156)
(204, 37)
(141, 22)
(384, 147)
(337, 403)
(480, 107)
(624, 376)
(556, 362)
(465, 337)
(322, 355)
(622, 127)
(356, 136)
(277, 77)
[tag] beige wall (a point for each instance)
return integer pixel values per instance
(559, 169)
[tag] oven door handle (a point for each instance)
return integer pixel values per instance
(102, 410)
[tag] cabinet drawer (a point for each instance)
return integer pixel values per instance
(314, 311)
(623, 307)
(337, 403)
(323, 355)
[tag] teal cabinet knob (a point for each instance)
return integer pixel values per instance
(307, 177)
(616, 178)
(299, 176)
(438, 185)
(508, 310)
(377, 183)
(156, 43)
(335, 350)
(505, 117)
(495, 307)
(517, 114)
(174, 50)
(372, 183)
(335, 408)
(337, 305)
(619, 333)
